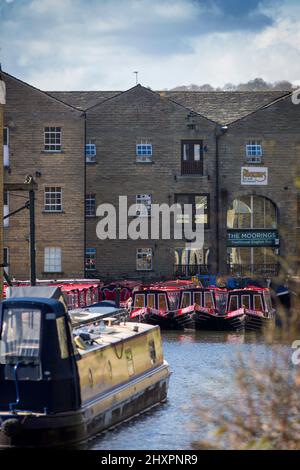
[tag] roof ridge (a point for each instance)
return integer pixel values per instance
(40, 91)
(280, 98)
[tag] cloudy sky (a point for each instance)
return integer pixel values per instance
(98, 44)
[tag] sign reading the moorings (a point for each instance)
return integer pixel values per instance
(252, 237)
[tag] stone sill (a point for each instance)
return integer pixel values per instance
(52, 152)
(46, 273)
(144, 163)
(184, 177)
(144, 271)
(53, 212)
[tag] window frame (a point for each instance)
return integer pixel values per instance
(58, 206)
(142, 296)
(90, 151)
(254, 151)
(139, 198)
(192, 200)
(89, 251)
(6, 138)
(231, 297)
(90, 203)
(50, 132)
(56, 264)
(186, 294)
(139, 251)
(145, 157)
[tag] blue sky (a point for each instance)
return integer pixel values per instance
(98, 44)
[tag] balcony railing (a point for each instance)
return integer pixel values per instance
(186, 270)
(268, 269)
(192, 168)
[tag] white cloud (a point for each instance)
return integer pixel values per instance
(97, 44)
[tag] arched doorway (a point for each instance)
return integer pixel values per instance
(189, 262)
(252, 236)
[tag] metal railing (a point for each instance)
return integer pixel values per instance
(267, 269)
(191, 270)
(192, 168)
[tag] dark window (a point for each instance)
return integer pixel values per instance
(192, 157)
(90, 259)
(5, 136)
(200, 208)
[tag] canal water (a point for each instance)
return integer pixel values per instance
(202, 364)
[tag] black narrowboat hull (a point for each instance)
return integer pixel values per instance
(69, 429)
(245, 322)
(165, 322)
(205, 321)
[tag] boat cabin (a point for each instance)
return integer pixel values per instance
(254, 298)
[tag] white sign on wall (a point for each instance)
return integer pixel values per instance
(2, 92)
(254, 175)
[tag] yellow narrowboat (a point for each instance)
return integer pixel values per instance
(61, 384)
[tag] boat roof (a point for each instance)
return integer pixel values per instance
(55, 304)
(250, 289)
(116, 333)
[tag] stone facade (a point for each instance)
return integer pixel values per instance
(114, 123)
(28, 112)
(116, 126)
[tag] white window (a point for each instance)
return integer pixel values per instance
(90, 152)
(6, 146)
(143, 203)
(90, 205)
(144, 259)
(53, 199)
(144, 151)
(6, 209)
(139, 301)
(52, 260)
(52, 139)
(254, 151)
(90, 259)
(6, 259)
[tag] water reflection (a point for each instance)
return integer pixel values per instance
(202, 365)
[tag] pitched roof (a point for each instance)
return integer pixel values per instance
(83, 99)
(223, 107)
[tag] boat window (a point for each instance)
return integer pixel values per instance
(208, 300)
(221, 300)
(246, 301)
(268, 301)
(152, 352)
(62, 337)
(258, 305)
(197, 298)
(139, 301)
(186, 300)
(173, 298)
(130, 365)
(162, 302)
(233, 303)
(20, 334)
(151, 300)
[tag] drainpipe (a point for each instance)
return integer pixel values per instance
(84, 190)
(219, 132)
